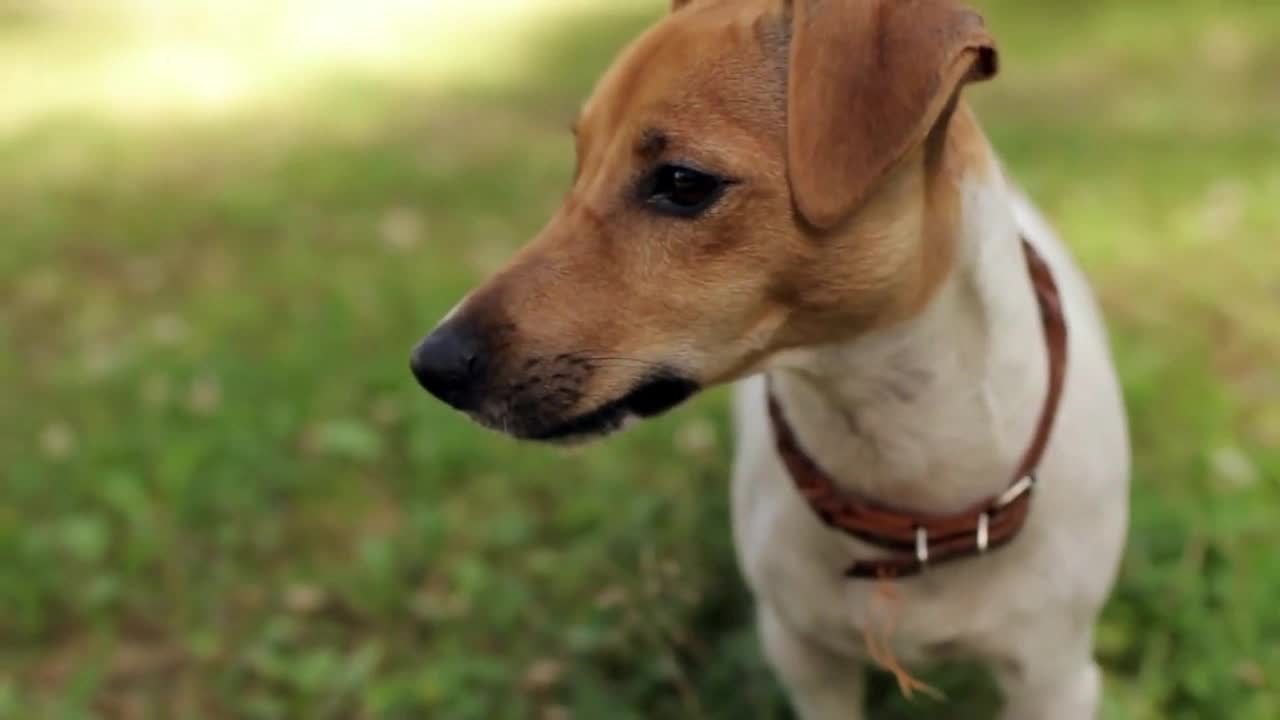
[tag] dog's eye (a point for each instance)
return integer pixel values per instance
(682, 191)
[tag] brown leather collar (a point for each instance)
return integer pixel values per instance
(919, 541)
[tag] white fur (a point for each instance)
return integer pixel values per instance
(933, 416)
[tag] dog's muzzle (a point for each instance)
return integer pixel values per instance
(535, 397)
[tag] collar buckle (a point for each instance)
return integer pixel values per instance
(922, 545)
(1015, 491)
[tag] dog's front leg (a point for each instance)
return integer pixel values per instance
(821, 684)
(1053, 682)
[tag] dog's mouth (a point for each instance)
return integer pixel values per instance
(650, 398)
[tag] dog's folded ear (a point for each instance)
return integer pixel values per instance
(868, 80)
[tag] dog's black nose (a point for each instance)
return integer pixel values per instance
(448, 364)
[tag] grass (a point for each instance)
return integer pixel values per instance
(222, 496)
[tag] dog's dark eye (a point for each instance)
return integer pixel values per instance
(682, 191)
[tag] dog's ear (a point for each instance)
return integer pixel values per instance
(868, 80)
(677, 4)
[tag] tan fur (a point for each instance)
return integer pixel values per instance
(718, 295)
(868, 83)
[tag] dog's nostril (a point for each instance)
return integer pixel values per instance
(447, 364)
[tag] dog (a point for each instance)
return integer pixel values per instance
(932, 450)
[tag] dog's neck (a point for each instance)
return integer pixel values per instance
(933, 414)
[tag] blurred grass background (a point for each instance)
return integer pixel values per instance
(224, 225)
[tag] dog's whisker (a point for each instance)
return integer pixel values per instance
(621, 360)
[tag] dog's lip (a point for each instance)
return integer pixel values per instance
(650, 398)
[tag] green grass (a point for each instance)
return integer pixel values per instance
(222, 496)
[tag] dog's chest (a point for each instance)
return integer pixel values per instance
(796, 566)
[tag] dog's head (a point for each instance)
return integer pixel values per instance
(752, 176)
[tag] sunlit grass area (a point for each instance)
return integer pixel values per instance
(222, 227)
(149, 60)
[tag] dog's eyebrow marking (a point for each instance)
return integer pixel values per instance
(652, 143)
